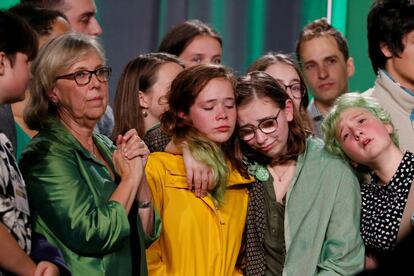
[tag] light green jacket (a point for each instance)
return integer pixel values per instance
(69, 191)
(322, 217)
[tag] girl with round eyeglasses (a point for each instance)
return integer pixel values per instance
(285, 70)
(304, 210)
(303, 215)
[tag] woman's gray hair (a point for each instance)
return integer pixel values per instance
(54, 59)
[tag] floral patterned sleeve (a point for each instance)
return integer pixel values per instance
(14, 210)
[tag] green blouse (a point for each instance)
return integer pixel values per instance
(274, 235)
(69, 191)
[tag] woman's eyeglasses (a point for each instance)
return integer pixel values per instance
(83, 77)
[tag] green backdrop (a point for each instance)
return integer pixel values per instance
(349, 16)
(4, 4)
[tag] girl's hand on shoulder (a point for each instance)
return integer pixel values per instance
(199, 174)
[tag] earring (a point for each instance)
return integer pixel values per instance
(144, 113)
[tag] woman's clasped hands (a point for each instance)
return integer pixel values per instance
(131, 155)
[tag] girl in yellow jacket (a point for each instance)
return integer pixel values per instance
(201, 235)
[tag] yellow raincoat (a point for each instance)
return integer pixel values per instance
(196, 239)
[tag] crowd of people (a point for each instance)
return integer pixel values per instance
(195, 171)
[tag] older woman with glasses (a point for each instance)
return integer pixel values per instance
(88, 197)
(284, 69)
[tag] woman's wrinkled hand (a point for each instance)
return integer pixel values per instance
(132, 166)
(134, 146)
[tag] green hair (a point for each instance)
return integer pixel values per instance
(344, 102)
(211, 154)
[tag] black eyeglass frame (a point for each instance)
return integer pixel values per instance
(302, 89)
(255, 128)
(73, 76)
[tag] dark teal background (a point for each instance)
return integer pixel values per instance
(249, 28)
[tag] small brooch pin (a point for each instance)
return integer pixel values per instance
(258, 171)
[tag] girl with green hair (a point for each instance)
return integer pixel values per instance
(201, 235)
(360, 130)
